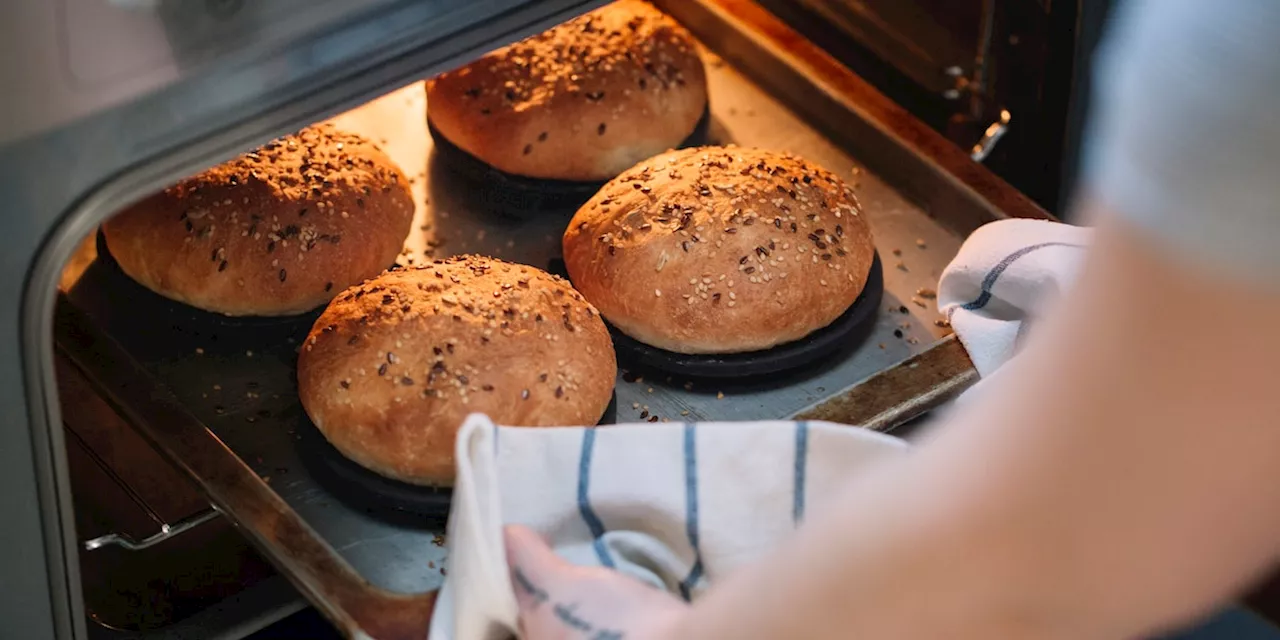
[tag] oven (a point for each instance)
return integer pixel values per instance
(155, 469)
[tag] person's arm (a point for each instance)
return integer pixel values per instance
(1122, 473)
(1123, 477)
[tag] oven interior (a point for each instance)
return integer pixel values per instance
(148, 555)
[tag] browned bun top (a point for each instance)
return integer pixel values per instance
(393, 366)
(582, 101)
(276, 231)
(720, 250)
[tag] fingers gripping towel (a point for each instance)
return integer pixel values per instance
(1005, 273)
(673, 505)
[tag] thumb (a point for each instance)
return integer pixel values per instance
(532, 564)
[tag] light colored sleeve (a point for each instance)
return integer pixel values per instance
(1184, 135)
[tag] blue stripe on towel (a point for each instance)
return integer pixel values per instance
(994, 275)
(584, 505)
(691, 508)
(801, 464)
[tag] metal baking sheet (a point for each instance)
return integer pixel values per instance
(236, 378)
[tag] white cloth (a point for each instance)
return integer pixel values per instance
(674, 505)
(1004, 275)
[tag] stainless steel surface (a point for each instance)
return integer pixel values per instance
(166, 532)
(245, 455)
(84, 56)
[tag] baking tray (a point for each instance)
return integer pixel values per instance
(219, 396)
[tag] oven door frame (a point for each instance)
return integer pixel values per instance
(58, 185)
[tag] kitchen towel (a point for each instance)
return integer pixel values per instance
(673, 505)
(1005, 274)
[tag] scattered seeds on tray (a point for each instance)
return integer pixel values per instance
(919, 303)
(897, 333)
(199, 351)
(897, 252)
(719, 395)
(921, 243)
(902, 266)
(941, 323)
(926, 293)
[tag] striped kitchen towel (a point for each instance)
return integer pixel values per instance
(1005, 274)
(674, 505)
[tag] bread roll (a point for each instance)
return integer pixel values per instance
(277, 231)
(580, 102)
(720, 250)
(393, 366)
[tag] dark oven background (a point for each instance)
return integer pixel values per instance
(957, 64)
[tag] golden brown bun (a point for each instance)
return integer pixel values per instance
(583, 101)
(720, 250)
(393, 366)
(277, 231)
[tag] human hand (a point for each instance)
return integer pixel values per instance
(560, 601)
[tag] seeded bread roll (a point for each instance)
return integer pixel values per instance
(277, 231)
(393, 366)
(581, 102)
(720, 250)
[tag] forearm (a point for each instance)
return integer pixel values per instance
(1094, 490)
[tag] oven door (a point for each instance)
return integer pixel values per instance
(111, 99)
